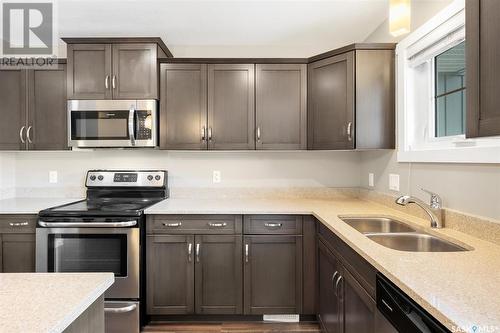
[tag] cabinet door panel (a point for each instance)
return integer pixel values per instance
(47, 112)
(329, 306)
(218, 272)
(281, 106)
(231, 111)
(359, 307)
(272, 283)
(135, 71)
(331, 103)
(18, 253)
(12, 109)
(183, 106)
(170, 271)
(88, 67)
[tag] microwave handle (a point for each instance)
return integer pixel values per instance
(131, 127)
(87, 224)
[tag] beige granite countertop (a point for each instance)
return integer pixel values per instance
(47, 302)
(460, 289)
(31, 205)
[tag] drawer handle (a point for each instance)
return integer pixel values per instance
(387, 305)
(18, 224)
(273, 225)
(217, 225)
(173, 225)
(125, 309)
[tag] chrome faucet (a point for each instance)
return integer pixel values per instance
(434, 209)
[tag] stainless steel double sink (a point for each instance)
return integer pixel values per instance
(397, 235)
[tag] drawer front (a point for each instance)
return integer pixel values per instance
(273, 224)
(361, 269)
(18, 224)
(194, 224)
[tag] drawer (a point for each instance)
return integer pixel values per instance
(273, 224)
(361, 269)
(18, 224)
(194, 224)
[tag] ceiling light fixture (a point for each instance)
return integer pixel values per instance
(399, 17)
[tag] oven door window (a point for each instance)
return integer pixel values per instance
(88, 253)
(99, 125)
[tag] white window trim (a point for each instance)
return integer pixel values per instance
(451, 149)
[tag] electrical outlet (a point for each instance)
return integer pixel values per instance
(53, 177)
(216, 177)
(371, 181)
(394, 182)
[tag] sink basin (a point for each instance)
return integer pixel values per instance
(376, 224)
(414, 242)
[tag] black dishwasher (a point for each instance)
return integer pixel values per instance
(402, 312)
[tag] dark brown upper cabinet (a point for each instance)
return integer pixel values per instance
(34, 107)
(183, 106)
(482, 67)
(231, 107)
(112, 71)
(281, 120)
(351, 101)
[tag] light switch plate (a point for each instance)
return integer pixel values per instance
(216, 177)
(371, 181)
(53, 177)
(394, 182)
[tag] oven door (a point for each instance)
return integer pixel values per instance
(92, 250)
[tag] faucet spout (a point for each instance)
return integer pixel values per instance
(434, 210)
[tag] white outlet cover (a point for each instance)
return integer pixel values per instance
(371, 181)
(53, 177)
(394, 182)
(216, 177)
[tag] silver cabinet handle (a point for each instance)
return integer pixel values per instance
(349, 131)
(258, 133)
(203, 134)
(246, 252)
(131, 134)
(28, 134)
(198, 252)
(18, 224)
(210, 133)
(106, 82)
(337, 284)
(113, 82)
(190, 252)
(273, 225)
(173, 225)
(123, 224)
(217, 225)
(21, 136)
(125, 309)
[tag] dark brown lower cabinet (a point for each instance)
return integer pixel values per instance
(359, 308)
(17, 244)
(218, 274)
(170, 274)
(272, 274)
(329, 307)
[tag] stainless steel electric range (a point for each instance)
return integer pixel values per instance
(105, 233)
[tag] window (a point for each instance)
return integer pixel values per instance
(449, 106)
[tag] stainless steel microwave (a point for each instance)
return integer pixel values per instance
(112, 123)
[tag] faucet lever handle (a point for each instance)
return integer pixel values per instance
(435, 198)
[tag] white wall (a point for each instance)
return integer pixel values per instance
(7, 175)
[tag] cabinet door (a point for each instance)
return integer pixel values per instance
(135, 71)
(280, 109)
(483, 68)
(359, 308)
(183, 106)
(329, 306)
(331, 103)
(272, 275)
(231, 111)
(89, 71)
(17, 253)
(218, 272)
(47, 116)
(13, 109)
(170, 275)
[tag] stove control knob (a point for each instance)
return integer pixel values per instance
(157, 177)
(100, 177)
(92, 178)
(150, 177)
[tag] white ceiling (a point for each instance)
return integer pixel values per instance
(228, 28)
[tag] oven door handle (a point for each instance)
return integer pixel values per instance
(124, 309)
(131, 127)
(123, 224)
